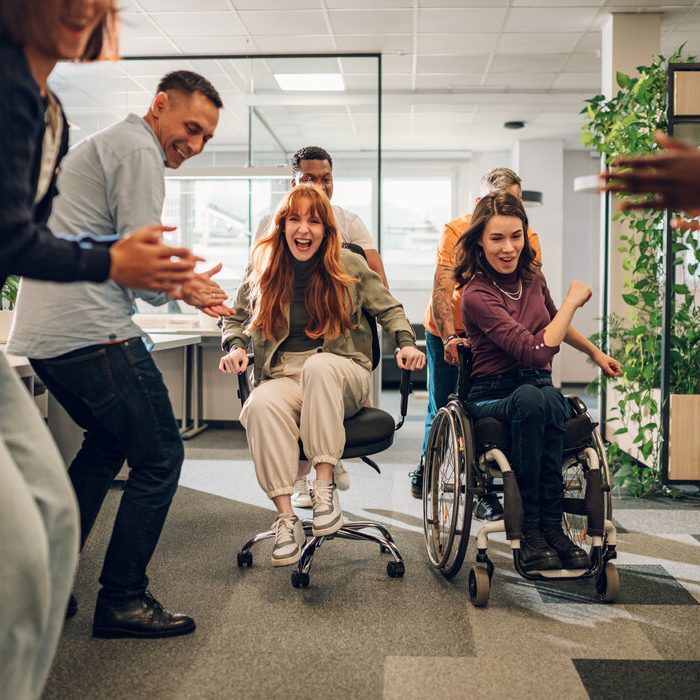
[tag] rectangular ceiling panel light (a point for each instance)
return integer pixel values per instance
(308, 82)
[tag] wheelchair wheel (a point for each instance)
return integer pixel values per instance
(479, 586)
(575, 525)
(448, 489)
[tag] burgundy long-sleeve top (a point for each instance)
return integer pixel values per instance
(507, 334)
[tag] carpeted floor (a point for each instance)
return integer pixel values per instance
(355, 633)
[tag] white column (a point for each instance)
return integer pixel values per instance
(540, 164)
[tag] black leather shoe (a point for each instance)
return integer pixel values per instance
(489, 507)
(571, 555)
(143, 617)
(535, 553)
(417, 481)
(72, 607)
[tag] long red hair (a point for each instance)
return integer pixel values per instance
(271, 276)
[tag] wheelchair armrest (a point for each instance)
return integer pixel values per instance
(243, 385)
(405, 388)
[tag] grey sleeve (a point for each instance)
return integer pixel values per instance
(135, 195)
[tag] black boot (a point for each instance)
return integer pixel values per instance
(535, 553)
(572, 556)
(417, 480)
(143, 617)
(489, 507)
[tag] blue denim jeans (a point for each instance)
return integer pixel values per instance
(116, 394)
(536, 413)
(442, 381)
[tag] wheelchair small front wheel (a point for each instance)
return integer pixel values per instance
(479, 585)
(395, 569)
(300, 579)
(608, 583)
(244, 559)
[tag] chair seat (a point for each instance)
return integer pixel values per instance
(369, 431)
(490, 432)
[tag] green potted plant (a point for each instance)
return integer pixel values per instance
(8, 297)
(626, 124)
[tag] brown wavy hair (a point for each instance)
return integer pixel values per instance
(271, 275)
(17, 21)
(469, 254)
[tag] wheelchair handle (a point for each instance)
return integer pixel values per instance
(464, 380)
(243, 386)
(405, 388)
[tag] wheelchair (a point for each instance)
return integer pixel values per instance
(464, 457)
(368, 432)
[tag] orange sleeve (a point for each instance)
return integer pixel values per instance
(535, 244)
(446, 247)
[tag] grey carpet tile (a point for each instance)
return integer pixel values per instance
(673, 630)
(642, 584)
(609, 679)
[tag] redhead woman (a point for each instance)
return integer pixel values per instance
(302, 306)
(515, 330)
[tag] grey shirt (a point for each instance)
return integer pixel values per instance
(112, 182)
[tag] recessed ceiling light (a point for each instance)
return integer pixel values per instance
(514, 125)
(306, 82)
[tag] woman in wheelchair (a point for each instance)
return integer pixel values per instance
(515, 330)
(302, 306)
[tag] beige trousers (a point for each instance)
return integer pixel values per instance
(308, 397)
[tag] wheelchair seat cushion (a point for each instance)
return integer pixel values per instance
(490, 432)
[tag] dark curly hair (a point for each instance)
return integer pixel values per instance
(310, 153)
(469, 255)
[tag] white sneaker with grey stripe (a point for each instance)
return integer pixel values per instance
(327, 518)
(289, 540)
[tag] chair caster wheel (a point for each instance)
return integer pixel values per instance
(479, 583)
(300, 579)
(395, 569)
(608, 583)
(244, 559)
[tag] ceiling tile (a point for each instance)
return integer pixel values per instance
(199, 23)
(578, 81)
(396, 63)
(146, 46)
(371, 21)
(590, 41)
(133, 25)
(461, 20)
(452, 64)
(284, 23)
(460, 3)
(426, 81)
(184, 5)
(397, 82)
(672, 41)
(528, 63)
(368, 66)
(462, 44)
(520, 81)
(368, 4)
(145, 68)
(275, 4)
(551, 19)
(583, 63)
(395, 42)
(317, 43)
(538, 42)
(213, 44)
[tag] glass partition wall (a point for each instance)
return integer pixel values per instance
(273, 105)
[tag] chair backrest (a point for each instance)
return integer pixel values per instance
(376, 347)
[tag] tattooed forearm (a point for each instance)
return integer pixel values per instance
(443, 286)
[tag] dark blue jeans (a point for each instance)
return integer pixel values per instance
(442, 381)
(116, 394)
(536, 412)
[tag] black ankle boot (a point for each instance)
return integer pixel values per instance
(143, 617)
(572, 556)
(535, 553)
(417, 481)
(489, 508)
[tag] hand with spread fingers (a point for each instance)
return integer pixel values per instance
(672, 177)
(205, 294)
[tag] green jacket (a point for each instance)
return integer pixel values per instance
(368, 294)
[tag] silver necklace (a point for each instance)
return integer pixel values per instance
(515, 296)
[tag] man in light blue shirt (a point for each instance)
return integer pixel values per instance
(84, 346)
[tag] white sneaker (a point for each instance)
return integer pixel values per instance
(327, 518)
(341, 477)
(289, 540)
(301, 498)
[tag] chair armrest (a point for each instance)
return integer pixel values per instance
(243, 385)
(405, 389)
